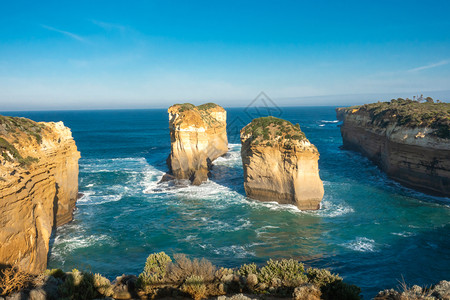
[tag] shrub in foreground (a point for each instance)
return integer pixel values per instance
(154, 270)
(195, 286)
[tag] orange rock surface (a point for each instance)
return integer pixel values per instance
(280, 164)
(198, 136)
(38, 188)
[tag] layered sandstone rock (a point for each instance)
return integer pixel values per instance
(198, 136)
(280, 164)
(408, 140)
(38, 188)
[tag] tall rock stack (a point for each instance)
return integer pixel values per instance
(198, 136)
(38, 188)
(280, 164)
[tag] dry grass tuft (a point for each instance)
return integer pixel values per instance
(183, 267)
(12, 279)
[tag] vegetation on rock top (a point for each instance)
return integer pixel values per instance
(207, 106)
(269, 130)
(12, 128)
(202, 110)
(11, 125)
(409, 113)
(10, 153)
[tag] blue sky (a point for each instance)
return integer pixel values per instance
(143, 54)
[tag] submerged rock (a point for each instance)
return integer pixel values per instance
(38, 188)
(197, 136)
(280, 164)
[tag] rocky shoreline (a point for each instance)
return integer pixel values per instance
(410, 141)
(179, 277)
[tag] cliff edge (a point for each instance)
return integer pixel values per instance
(197, 136)
(280, 164)
(408, 140)
(38, 188)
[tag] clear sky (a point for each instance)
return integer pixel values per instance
(143, 54)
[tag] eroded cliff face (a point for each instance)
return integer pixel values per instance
(280, 164)
(198, 136)
(414, 156)
(38, 188)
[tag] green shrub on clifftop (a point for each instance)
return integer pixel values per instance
(408, 113)
(289, 271)
(154, 270)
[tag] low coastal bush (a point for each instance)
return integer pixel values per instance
(321, 277)
(154, 270)
(57, 273)
(78, 285)
(103, 285)
(289, 271)
(331, 285)
(183, 267)
(164, 277)
(246, 270)
(195, 286)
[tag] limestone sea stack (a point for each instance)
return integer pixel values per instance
(197, 136)
(38, 188)
(408, 140)
(280, 164)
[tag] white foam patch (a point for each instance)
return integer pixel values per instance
(403, 234)
(272, 205)
(152, 177)
(361, 244)
(264, 229)
(130, 164)
(329, 122)
(89, 198)
(220, 226)
(333, 210)
(62, 247)
(239, 251)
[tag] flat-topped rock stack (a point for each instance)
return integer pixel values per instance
(280, 164)
(198, 136)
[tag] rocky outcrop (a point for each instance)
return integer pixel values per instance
(38, 188)
(407, 141)
(438, 291)
(280, 164)
(197, 136)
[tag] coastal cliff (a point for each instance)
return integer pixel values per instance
(280, 164)
(410, 141)
(38, 188)
(197, 136)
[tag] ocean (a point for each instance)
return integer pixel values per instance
(372, 231)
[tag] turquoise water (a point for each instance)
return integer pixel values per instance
(370, 230)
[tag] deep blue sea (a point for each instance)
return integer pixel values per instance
(370, 230)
